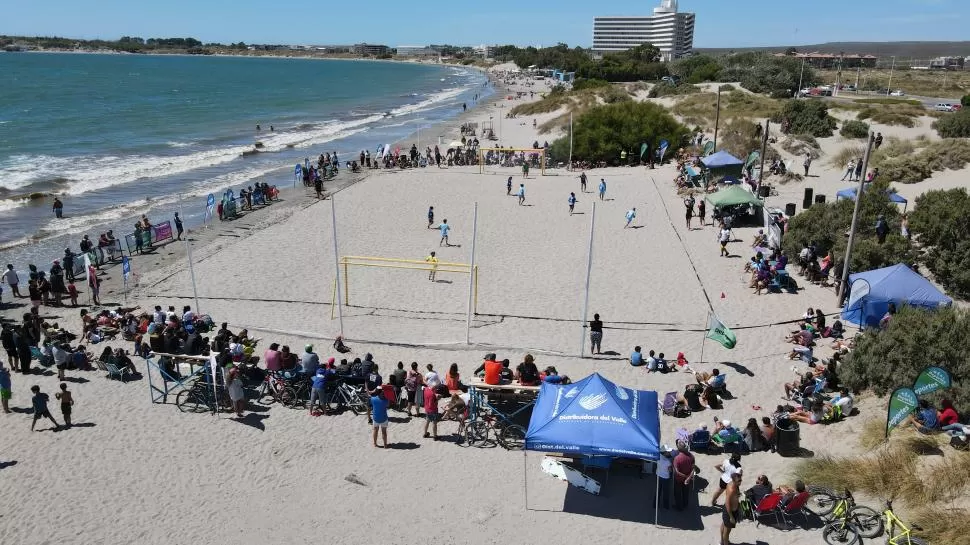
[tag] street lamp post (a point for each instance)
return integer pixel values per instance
(889, 88)
(798, 92)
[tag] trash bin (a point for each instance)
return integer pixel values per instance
(764, 191)
(790, 209)
(787, 441)
(807, 201)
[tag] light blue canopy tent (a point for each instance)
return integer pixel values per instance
(871, 292)
(595, 417)
(850, 193)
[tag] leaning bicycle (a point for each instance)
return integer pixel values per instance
(201, 398)
(837, 533)
(847, 521)
(508, 435)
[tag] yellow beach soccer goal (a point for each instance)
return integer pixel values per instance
(502, 153)
(349, 262)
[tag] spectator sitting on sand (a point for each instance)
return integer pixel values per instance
(814, 416)
(709, 379)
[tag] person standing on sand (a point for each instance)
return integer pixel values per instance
(582, 182)
(444, 228)
(11, 278)
(508, 186)
(849, 169)
(39, 402)
(430, 217)
(596, 335)
(572, 203)
(683, 476)
(630, 216)
(178, 227)
(58, 208)
(378, 404)
(732, 507)
(525, 170)
(689, 205)
(701, 211)
(807, 163)
(724, 237)
(433, 263)
(602, 189)
(431, 413)
(318, 186)
(67, 403)
(236, 393)
(521, 194)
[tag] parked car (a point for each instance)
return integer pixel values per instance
(897, 93)
(957, 107)
(943, 107)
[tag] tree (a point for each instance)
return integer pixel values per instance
(603, 132)
(791, 52)
(915, 338)
(943, 226)
(697, 68)
(854, 129)
(765, 73)
(805, 117)
(965, 101)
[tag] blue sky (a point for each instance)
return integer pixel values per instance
(720, 23)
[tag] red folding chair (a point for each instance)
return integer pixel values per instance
(796, 505)
(389, 394)
(767, 506)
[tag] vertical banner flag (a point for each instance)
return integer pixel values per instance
(902, 403)
(663, 149)
(88, 269)
(210, 204)
(643, 150)
(930, 380)
(753, 158)
(709, 148)
(125, 268)
(718, 332)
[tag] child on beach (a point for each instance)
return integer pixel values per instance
(630, 216)
(572, 203)
(602, 189)
(521, 194)
(67, 401)
(444, 228)
(5, 389)
(39, 402)
(430, 217)
(433, 261)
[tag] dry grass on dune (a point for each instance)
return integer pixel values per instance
(734, 104)
(846, 154)
(939, 524)
(877, 474)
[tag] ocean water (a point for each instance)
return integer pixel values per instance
(117, 136)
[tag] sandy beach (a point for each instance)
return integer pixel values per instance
(131, 471)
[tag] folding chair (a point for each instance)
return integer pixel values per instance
(117, 372)
(700, 440)
(796, 505)
(37, 354)
(725, 442)
(720, 384)
(768, 506)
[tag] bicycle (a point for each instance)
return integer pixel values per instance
(200, 398)
(508, 435)
(850, 534)
(848, 521)
(350, 397)
(276, 389)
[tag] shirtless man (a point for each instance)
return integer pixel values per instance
(732, 507)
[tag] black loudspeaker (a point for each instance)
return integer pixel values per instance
(807, 202)
(787, 441)
(820, 199)
(764, 191)
(790, 209)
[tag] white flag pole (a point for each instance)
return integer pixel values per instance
(188, 255)
(707, 325)
(471, 277)
(336, 264)
(589, 267)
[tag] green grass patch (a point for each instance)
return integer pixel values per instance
(889, 100)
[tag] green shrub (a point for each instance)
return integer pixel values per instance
(915, 339)
(805, 117)
(696, 68)
(898, 162)
(739, 138)
(955, 125)
(761, 72)
(583, 83)
(667, 90)
(603, 131)
(854, 129)
(965, 101)
(941, 221)
(612, 95)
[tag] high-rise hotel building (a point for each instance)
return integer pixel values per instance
(668, 30)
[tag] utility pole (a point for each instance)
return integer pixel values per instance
(858, 70)
(855, 218)
(838, 75)
(764, 150)
(717, 116)
(798, 92)
(889, 88)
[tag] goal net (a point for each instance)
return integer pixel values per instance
(369, 290)
(509, 160)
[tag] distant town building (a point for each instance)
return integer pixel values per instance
(370, 49)
(947, 63)
(416, 51)
(831, 60)
(485, 51)
(667, 29)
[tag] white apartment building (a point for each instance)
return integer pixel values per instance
(667, 29)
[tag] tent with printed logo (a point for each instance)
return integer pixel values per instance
(595, 417)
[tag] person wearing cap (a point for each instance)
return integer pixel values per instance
(318, 391)
(309, 361)
(732, 507)
(727, 469)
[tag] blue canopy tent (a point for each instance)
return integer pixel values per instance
(595, 417)
(871, 292)
(722, 164)
(850, 193)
